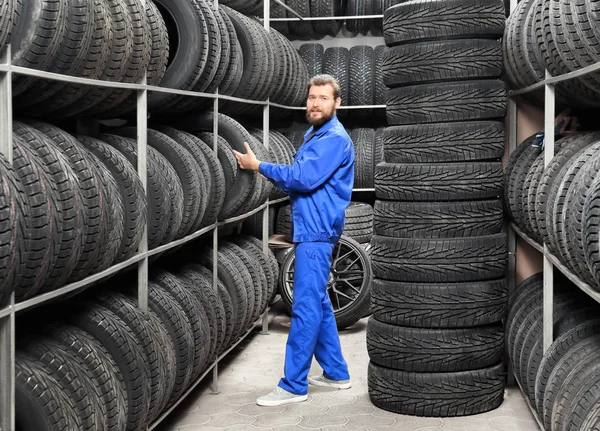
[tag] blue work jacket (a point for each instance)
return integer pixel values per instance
(319, 182)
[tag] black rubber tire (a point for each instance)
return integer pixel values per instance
(122, 345)
(106, 373)
(160, 206)
(9, 11)
(303, 30)
(361, 79)
(357, 8)
(13, 222)
(73, 377)
(69, 199)
(438, 182)
(420, 350)
(438, 219)
(440, 19)
(439, 260)
(444, 142)
(41, 227)
(436, 394)
(442, 61)
(439, 305)
(363, 140)
(180, 290)
(447, 101)
(40, 402)
(325, 8)
(173, 317)
(336, 62)
(312, 54)
(380, 87)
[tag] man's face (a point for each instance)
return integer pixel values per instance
(321, 104)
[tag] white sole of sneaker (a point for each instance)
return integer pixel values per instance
(330, 385)
(274, 403)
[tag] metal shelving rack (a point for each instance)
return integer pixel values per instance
(8, 313)
(550, 261)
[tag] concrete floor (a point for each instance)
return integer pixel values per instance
(255, 366)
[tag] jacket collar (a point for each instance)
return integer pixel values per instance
(322, 130)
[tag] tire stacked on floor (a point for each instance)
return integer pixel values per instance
(556, 205)
(559, 37)
(103, 364)
(359, 222)
(435, 339)
(562, 383)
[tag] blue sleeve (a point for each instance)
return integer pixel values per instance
(316, 164)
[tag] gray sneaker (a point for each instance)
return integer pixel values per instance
(328, 383)
(280, 397)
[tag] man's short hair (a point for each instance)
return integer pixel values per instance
(324, 80)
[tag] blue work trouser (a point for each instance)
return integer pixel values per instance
(313, 329)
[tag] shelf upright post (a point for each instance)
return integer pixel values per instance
(215, 243)
(266, 129)
(512, 240)
(142, 156)
(7, 323)
(549, 114)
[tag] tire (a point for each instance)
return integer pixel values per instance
(132, 194)
(42, 403)
(187, 170)
(357, 8)
(323, 8)
(303, 30)
(380, 87)
(438, 219)
(447, 101)
(226, 159)
(253, 247)
(419, 350)
(312, 54)
(439, 305)
(436, 394)
(439, 143)
(438, 182)
(114, 335)
(442, 20)
(185, 68)
(72, 377)
(442, 61)
(159, 202)
(363, 140)
(181, 292)
(173, 317)
(106, 373)
(439, 260)
(336, 62)
(213, 188)
(361, 79)
(41, 227)
(13, 222)
(349, 304)
(69, 199)
(9, 11)
(590, 231)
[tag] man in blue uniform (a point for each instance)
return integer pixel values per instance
(319, 184)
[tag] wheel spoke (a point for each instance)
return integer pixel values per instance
(353, 262)
(358, 277)
(343, 295)
(344, 256)
(351, 286)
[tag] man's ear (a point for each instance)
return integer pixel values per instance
(338, 102)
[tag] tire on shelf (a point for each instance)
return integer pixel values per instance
(439, 260)
(302, 30)
(336, 63)
(361, 79)
(359, 8)
(40, 402)
(446, 101)
(436, 394)
(444, 350)
(326, 8)
(439, 305)
(363, 140)
(312, 54)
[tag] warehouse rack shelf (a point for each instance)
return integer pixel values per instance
(549, 260)
(558, 264)
(326, 18)
(214, 368)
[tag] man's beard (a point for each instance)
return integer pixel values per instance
(325, 117)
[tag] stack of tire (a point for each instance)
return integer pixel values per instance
(359, 222)
(557, 205)
(368, 153)
(559, 37)
(561, 383)
(357, 69)
(435, 339)
(107, 365)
